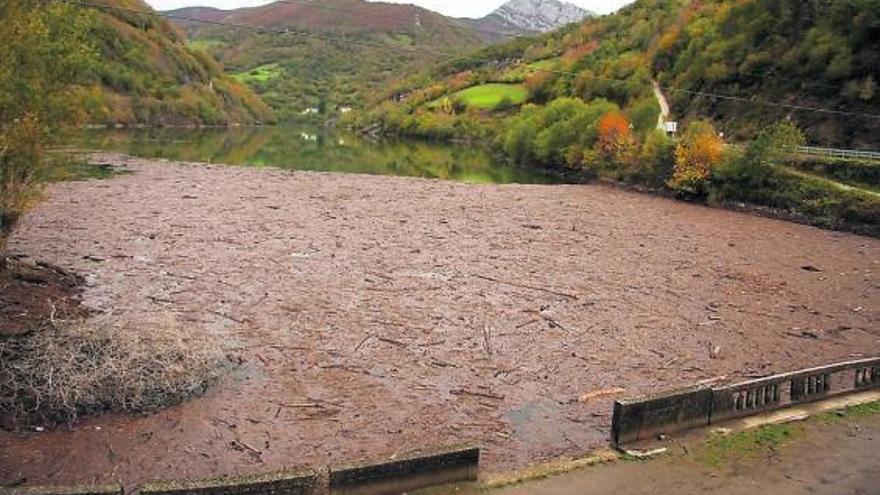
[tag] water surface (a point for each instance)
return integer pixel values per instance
(312, 149)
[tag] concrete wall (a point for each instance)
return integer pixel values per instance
(403, 474)
(111, 489)
(644, 417)
(284, 483)
(386, 477)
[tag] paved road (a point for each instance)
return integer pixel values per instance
(664, 105)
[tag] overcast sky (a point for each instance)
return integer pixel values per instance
(455, 8)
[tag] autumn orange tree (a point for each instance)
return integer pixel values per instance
(700, 150)
(615, 138)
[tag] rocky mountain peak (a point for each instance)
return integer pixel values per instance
(540, 15)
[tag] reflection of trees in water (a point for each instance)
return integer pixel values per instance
(312, 149)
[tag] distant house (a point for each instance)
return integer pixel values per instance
(345, 109)
(670, 127)
(310, 111)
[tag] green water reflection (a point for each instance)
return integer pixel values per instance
(311, 149)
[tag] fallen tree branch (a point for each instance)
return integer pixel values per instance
(486, 395)
(391, 341)
(524, 286)
(362, 342)
(224, 315)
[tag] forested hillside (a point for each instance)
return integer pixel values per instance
(146, 75)
(815, 53)
(790, 52)
(757, 74)
(322, 56)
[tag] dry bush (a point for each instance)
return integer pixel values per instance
(71, 369)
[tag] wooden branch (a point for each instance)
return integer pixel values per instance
(524, 286)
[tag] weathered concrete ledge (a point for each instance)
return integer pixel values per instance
(111, 489)
(411, 472)
(642, 417)
(283, 483)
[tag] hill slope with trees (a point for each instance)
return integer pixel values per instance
(709, 56)
(759, 74)
(335, 53)
(146, 75)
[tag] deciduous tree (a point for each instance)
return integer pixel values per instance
(699, 151)
(43, 50)
(616, 142)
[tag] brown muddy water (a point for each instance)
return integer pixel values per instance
(378, 315)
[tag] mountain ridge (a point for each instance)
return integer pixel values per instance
(527, 17)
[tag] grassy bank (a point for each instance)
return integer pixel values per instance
(856, 173)
(489, 96)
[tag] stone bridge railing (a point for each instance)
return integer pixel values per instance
(642, 417)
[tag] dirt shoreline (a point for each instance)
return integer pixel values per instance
(408, 312)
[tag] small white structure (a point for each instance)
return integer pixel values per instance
(671, 128)
(345, 109)
(309, 111)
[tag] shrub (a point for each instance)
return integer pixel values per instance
(504, 104)
(70, 369)
(864, 174)
(656, 160)
(644, 114)
(446, 106)
(817, 200)
(519, 141)
(615, 139)
(698, 153)
(747, 174)
(757, 176)
(539, 85)
(20, 156)
(555, 135)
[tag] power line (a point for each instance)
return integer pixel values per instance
(337, 39)
(767, 75)
(775, 104)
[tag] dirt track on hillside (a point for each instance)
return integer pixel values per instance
(381, 314)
